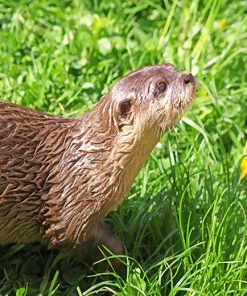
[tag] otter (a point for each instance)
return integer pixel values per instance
(60, 177)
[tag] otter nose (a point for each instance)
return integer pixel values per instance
(188, 78)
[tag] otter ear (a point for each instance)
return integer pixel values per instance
(124, 113)
(124, 108)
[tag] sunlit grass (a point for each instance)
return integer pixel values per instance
(184, 221)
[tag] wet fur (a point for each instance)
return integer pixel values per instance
(59, 177)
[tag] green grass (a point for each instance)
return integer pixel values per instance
(184, 223)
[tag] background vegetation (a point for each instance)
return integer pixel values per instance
(184, 222)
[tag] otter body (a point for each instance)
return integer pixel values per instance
(60, 177)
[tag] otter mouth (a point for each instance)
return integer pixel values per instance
(184, 99)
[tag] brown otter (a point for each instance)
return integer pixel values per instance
(60, 177)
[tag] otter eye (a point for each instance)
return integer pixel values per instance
(160, 88)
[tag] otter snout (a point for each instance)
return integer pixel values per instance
(188, 81)
(188, 78)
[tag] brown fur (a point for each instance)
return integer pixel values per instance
(59, 177)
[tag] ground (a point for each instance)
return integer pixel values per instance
(184, 223)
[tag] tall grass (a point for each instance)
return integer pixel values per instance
(184, 222)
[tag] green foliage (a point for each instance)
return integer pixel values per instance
(184, 221)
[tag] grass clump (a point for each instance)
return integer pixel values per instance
(184, 221)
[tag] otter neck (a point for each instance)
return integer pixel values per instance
(96, 128)
(130, 151)
(120, 156)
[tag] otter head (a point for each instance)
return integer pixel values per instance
(152, 97)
